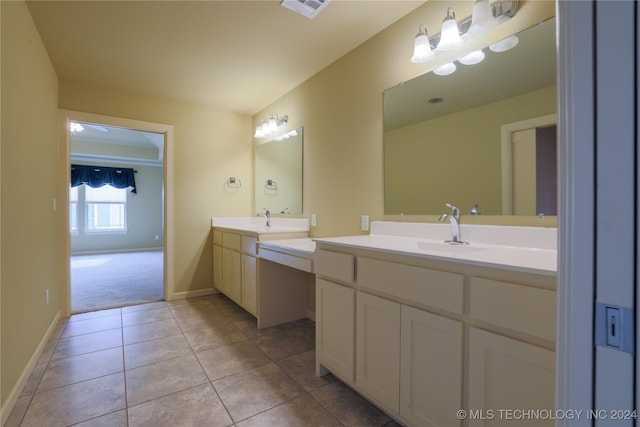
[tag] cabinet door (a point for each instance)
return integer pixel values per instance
(231, 275)
(249, 284)
(378, 349)
(508, 374)
(217, 267)
(431, 368)
(335, 328)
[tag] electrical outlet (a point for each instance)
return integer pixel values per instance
(365, 223)
(314, 220)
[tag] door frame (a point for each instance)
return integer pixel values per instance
(64, 176)
(506, 140)
(576, 210)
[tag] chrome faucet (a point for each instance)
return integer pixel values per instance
(265, 213)
(454, 219)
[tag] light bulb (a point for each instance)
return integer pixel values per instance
(482, 19)
(475, 57)
(450, 35)
(422, 48)
(446, 69)
(505, 44)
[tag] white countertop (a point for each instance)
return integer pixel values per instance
(304, 247)
(257, 224)
(528, 260)
(525, 249)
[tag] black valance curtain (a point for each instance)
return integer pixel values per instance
(97, 176)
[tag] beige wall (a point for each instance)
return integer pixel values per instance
(29, 149)
(415, 154)
(341, 111)
(209, 146)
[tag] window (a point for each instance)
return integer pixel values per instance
(73, 209)
(105, 209)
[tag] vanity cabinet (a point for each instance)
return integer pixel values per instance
(423, 338)
(236, 267)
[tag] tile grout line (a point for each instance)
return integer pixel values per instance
(210, 382)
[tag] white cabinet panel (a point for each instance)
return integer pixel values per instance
(506, 374)
(425, 286)
(232, 275)
(378, 349)
(431, 368)
(249, 284)
(217, 267)
(520, 308)
(335, 328)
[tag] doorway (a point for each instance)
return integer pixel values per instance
(115, 216)
(117, 248)
(529, 167)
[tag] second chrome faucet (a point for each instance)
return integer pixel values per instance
(454, 219)
(267, 215)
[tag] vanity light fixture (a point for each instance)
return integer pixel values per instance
(450, 35)
(270, 125)
(485, 17)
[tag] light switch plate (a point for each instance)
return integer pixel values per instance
(314, 220)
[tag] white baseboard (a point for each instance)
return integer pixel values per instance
(117, 251)
(26, 373)
(193, 294)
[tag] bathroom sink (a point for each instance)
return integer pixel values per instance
(448, 248)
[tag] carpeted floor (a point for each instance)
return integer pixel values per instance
(115, 280)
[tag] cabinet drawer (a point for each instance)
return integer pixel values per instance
(435, 288)
(521, 308)
(231, 241)
(217, 237)
(335, 265)
(249, 245)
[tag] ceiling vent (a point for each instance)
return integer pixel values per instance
(307, 8)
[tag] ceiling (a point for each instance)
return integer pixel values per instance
(111, 143)
(238, 56)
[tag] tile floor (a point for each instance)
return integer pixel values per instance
(194, 362)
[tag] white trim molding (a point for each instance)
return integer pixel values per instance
(167, 130)
(574, 363)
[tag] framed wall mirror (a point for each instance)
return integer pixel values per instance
(278, 174)
(451, 138)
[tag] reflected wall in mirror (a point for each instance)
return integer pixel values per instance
(455, 150)
(278, 175)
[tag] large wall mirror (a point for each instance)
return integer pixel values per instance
(484, 135)
(278, 174)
